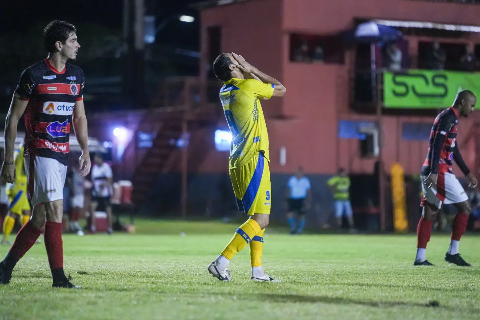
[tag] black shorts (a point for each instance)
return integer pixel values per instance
(296, 205)
(103, 202)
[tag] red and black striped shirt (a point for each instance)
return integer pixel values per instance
(443, 149)
(51, 99)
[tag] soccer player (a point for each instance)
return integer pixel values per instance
(19, 207)
(440, 184)
(299, 200)
(48, 95)
(249, 157)
(101, 192)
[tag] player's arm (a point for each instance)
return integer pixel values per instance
(81, 131)
(17, 108)
(332, 185)
(457, 157)
(279, 89)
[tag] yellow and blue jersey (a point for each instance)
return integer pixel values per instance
(17, 191)
(244, 114)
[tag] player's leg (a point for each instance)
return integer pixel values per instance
(262, 216)
(339, 213)
(8, 224)
(93, 209)
(291, 217)
(246, 182)
(54, 242)
(24, 240)
(424, 232)
(455, 194)
(108, 209)
(349, 214)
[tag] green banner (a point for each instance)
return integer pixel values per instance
(425, 89)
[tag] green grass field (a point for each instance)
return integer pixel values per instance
(159, 274)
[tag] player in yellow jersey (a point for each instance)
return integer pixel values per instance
(19, 207)
(244, 86)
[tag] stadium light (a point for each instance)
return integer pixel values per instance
(223, 139)
(121, 133)
(188, 19)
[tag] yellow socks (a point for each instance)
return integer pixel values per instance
(242, 237)
(25, 219)
(256, 249)
(8, 225)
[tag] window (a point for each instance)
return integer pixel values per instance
(310, 48)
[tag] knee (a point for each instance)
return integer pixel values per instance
(38, 220)
(467, 209)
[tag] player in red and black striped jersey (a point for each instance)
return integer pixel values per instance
(440, 184)
(49, 96)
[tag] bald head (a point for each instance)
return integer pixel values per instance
(465, 102)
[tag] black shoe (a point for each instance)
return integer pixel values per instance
(293, 232)
(456, 259)
(65, 283)
(5, 275)
(423, 263)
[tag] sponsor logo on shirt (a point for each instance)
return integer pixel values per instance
(58, 108)
(57, 129)
(49, 77)
(72, 78)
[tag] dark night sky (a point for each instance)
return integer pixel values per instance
(23, 14)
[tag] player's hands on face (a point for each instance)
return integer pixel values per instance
(8, 172)
(472, 181)
(431, 180)
(84, 164)
(242, 64)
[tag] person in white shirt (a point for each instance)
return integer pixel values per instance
(299, 200)
(102, 191)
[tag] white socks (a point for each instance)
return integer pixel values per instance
(453, 249)
(421, 255)
(257, 271)
(222, 262)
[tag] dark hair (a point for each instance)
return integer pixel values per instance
(221, 67)
(463, 95)
(341, 170)
(56, 30)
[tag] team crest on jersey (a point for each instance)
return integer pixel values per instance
(74, 89)
(57, 129)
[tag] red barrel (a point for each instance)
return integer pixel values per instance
(126, 191)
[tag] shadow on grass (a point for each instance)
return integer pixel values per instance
(291, 298)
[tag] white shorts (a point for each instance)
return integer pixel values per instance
(448, 190)
(78, 200)
(46, 179)
(343, 207)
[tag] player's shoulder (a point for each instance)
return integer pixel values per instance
(74, 69)
(35, 69)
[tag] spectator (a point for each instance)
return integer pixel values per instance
(468, 61)
(301, 53)
(340, 187)
(101, 192)
(317, 55)
(299, 200)
(437, 58)
(393, 57)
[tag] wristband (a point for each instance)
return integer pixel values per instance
(9, 163)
